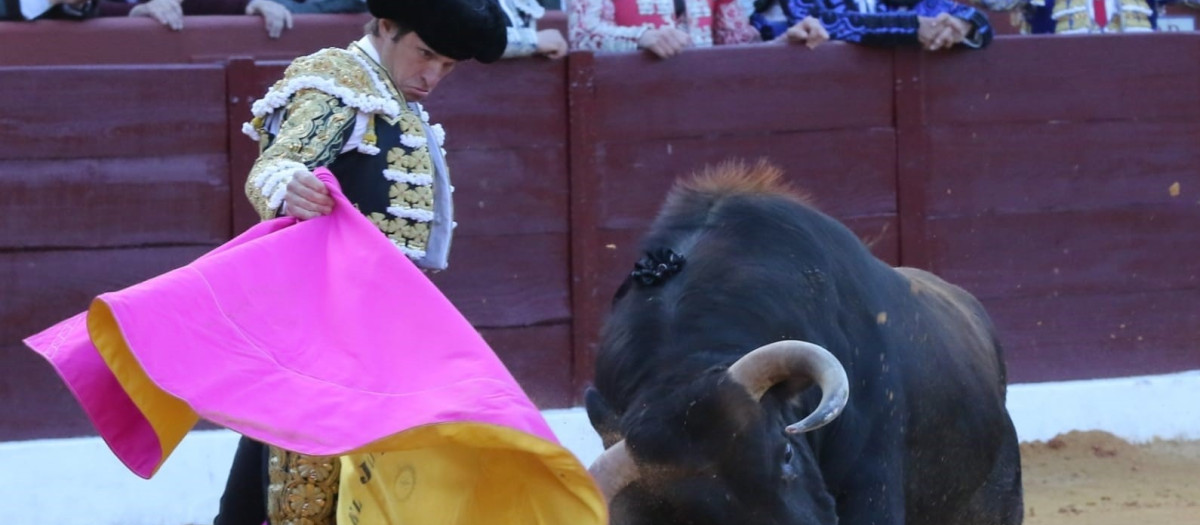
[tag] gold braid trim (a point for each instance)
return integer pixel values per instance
(348, 74)
(303, 489)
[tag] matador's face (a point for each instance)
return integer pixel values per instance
(415, 67)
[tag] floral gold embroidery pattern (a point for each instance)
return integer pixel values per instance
(346, 74)
(410, 168)
(303, 489)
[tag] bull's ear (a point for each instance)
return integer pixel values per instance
(606, 422)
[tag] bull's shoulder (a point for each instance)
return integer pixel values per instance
(921, 281)
(961, 322)
(935, 292)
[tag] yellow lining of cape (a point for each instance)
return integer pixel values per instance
(467, 472)
(170, 417)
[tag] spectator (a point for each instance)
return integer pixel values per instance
(663, 27)
(18, 10)
(277, 15)
(1085, 16)
(934, 24)
(524, 38)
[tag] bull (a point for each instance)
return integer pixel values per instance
(761, 367)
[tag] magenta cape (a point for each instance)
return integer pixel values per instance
(322, 338)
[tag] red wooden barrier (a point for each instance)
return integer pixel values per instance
(141, 40)
(108, 175)
(144, 41)
(1053, 177)
(1044, 187)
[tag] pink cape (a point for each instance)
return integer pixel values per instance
(319, 337)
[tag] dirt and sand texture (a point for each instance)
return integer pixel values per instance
(1095, 478)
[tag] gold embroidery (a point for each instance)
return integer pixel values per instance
(409, 193)
(380, 73)
(386, 225)
(339, 74)
(369, 137)
(415, 161)
(403, 232)
(303, 489)
(312, 133)
(410, 124)
(420, 197)
(344, 67)
(416, 234)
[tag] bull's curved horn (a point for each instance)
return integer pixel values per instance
(771, 364)
(613, 470)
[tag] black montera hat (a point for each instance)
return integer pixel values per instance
(459, 29)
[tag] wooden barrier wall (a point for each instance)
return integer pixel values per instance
(1055, 178)
(1041, 179)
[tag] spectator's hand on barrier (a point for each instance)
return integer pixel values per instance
(275, 16)
(306, 197)
(550, 43)
(955, 31)
(809, 32)
(942, 31)
(168, 12)
(665, 42)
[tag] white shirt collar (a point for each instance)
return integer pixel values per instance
(369, 47)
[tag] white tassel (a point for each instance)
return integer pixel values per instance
(439, 134)
(272, 182)
(249, 131)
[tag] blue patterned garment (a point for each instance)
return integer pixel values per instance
(884, 23)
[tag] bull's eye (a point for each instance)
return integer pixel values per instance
(789, 471)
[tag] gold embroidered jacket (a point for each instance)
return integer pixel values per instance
(338, 108)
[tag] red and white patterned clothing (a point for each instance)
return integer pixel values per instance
(616, 25)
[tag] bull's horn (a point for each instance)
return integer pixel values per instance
(769, 365)
(613, 470)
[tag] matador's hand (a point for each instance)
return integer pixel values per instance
(306, 197)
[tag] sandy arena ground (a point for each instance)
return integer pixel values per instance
(1095, 478)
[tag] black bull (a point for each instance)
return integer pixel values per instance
(698, 435)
